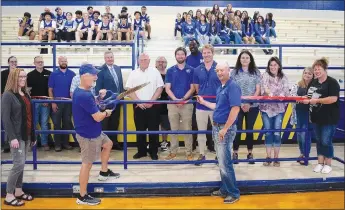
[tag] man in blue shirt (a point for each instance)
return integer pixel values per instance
(59, 84)
(206, 83)
(195, 57)
(87, 118)
(179, 87)
(226, 109)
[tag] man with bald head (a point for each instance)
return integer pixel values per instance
(146, 115)
(59, 84)
(226, 109)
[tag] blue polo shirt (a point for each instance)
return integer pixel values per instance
(194, 60)
(227, 96)
(83, 107)
(61, 82)
(208, 83)
(180, 80)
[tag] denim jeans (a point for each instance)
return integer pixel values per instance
(63, 117)
(302, 123)
(272, 32)
(223, 150)
(272, 123)
(260, 40)
(324, 136)
(187, 39)
(236, 37)
(41, 117)
(215, 40)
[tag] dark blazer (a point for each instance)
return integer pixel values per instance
(106, 81)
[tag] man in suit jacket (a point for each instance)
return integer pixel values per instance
(110, 78)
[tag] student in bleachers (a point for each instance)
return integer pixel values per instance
(262, 34)
(188, 30)
(207, 10)
(105, 29)
(78, 17)
(236, 30)
(215, 9)
(198, 15)
(111, 16)
(229, 9)
(60, 17)
(255, 17)
(26, 27)
(247, 31)
(178, 25)
(42, 16)
(96, 19)
(214, 31)
(124, 30)
(271, 25)
(146, 19)
(85, 29)
(202, 30)
(219, 17)
(47, 28)
(238, 13)
(138, 23)
(124, 12)
(90, 12)
(69, 27)
(248, 77)
(225, 29)
(273, 83)
(245, 15)
(184, 17)
(191, 13)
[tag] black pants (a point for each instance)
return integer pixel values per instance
(65, 35)
(250, 118)
(63, 116)
(209, 140)
(112, 124)
(175, 31)
(147, 119)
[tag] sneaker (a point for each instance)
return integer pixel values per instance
(103, 176)
(164, 146)
(326, 169)
(200, 158)
(88, 200)
(318, 168)
(235, 158)
(171, 156)
(190, 157)
(218, 194)
(250, 157)
(230, 200)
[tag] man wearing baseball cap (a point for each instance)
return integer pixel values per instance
(87, 120)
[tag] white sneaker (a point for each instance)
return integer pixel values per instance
(318, 168)
(326, 169)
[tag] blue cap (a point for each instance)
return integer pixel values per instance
(87, 68)
(57, 8)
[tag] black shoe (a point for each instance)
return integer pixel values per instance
(117, 147)
(211, 149)
(88, 200)
(67, 146)
(154, 157)
(138, 156)
(148, 37)
(103, 176)
(217, 162)
(7, 150)
(235, 158)
(250, 157)
(58, 149)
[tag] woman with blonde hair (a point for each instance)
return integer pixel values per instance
(300, 115)
(18, 125)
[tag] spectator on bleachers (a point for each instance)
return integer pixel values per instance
(323, 94)
(225, 29)
(215, 9)
(96, 19)
(105, 29)
(248, 77)
(124, 12)
(59, 84)
(138, 23)
(229, 9)
(68, 27)
(26, 27)
(236, 31)
(110, 78)
(191, 13)
(247, 31)
(179, 87)
(207, 10)
(107, 12)
(90, 12)
(184, 17)
(238, 13)
(202, 30)
(42, 16)
(146, 115)
(78, 17)
(198, 15)
(38, 82)
(161, 65)
(188, 30)
(214, 31)
(178, 25)
(300, 111)
(271, 25)
(85, 29)
(60, 18)
(47, 28)
(146, 19)
(273, 83)
(245, 15)
(255, 17)
(206, 83)
(16, 117)
(261, 33)
(124, 29)
(209, 17)
(219, 17)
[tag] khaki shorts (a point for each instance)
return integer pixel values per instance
(91, 148)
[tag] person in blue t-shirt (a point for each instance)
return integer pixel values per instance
(26, 27)
(93, 142)
(146, 19)
(226, 109)
(195, 58)
(178, 24)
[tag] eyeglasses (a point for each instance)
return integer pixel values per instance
(23, 77)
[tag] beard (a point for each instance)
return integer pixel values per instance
(63, 66)
(180, 61)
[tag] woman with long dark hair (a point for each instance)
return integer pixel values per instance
(271, 25)
(248, 77)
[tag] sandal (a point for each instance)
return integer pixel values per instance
(268, 162)
(25, 197)
(14, 202)
(276, 164)
(301, 156)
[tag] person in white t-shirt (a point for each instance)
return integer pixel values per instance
(47, 28)
(146, 115)
(105, 29)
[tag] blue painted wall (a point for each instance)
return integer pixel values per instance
(282, 4)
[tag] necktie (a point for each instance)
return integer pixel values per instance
(113, 73)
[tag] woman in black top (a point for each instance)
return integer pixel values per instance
(324, 112)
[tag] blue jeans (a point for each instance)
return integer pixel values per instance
(236, 37)
(41, 117)
(187, 39)
(324, 136)
(259, 40)
(272, 32)
(223, 150)
(215, 40)
(302, 123)
(272, 123)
